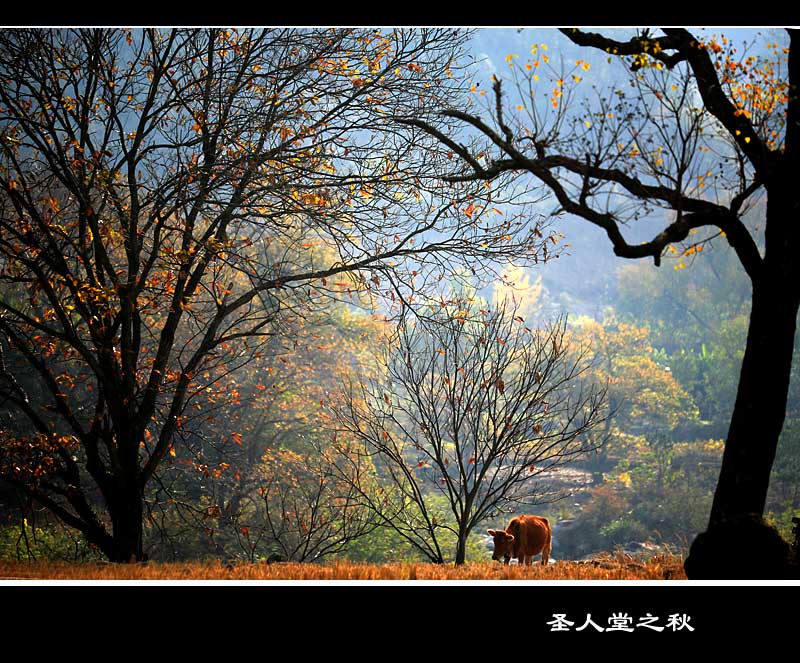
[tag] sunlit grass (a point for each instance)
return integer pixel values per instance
(619, 567)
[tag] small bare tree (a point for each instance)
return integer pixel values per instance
(474, 409)
(304, 510)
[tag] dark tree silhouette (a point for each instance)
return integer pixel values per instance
(703, 133)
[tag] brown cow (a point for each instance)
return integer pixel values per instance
(524, 537)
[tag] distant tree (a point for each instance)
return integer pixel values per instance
(475, 410)
(168, 197)
(698, 320)
(703, 131)
(641, 394)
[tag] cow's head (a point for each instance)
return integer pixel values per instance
(502, 544)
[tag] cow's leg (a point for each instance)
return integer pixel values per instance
(546, 550)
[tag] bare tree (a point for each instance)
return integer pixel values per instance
(168, 197)
(705, 132)
(475, 409)
(303, 510)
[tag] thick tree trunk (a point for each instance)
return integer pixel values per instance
(126, 510)
(756, 424)
(760, 407)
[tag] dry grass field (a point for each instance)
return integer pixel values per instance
(611, 567)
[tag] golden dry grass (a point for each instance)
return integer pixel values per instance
(618, 567)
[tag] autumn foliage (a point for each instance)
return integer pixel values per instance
(700, 134)
(170, 200)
